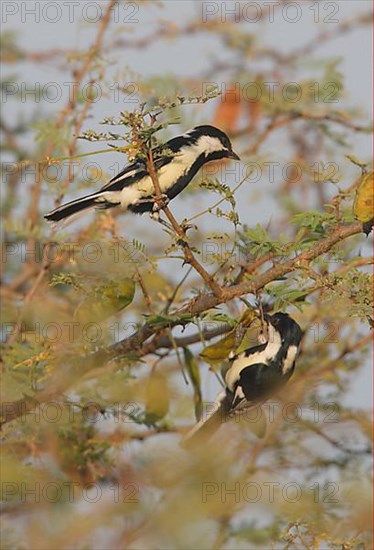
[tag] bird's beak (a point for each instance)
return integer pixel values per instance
(232, 155)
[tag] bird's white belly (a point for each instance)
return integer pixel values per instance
(167, 176)
(128, 195)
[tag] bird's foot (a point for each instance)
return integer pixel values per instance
(187, 226)
(155, 216)
(160, 202)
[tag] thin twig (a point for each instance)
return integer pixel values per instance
(189, 257)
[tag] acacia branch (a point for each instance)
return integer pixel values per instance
(189, 257)
(205, 301)
(137, 343)
(280, 120)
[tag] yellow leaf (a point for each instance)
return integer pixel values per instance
(363, 207)
(219, 351)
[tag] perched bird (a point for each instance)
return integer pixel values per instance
(252, 377)
(363, 207)
(176, 163)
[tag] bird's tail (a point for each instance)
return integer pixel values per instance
(71, 210)
(206, 427)
(203, 431)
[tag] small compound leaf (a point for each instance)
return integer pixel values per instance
(105, 301)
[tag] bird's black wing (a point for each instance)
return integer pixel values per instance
(138, 170)
(130, 174)
(247, 352)
(255, 385)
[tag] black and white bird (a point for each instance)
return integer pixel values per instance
(176, 163)
(252, 377)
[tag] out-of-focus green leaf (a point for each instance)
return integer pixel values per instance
(120, 295)
(313, 220)
(161, 321)
(194, 374)
(218, 352)
(156, 397)
(107, 300)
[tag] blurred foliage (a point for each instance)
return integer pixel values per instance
(105, 361)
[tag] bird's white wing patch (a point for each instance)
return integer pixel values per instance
(242, 361)
(262, 338)
(167, 176)
(274, 343)
(126, 174)
(290, 358)
(238, 397)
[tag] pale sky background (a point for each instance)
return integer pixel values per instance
(191, 56)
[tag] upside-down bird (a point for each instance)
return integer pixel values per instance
(253, 377)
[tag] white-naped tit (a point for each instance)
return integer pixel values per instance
(253, 377)
(176, 163)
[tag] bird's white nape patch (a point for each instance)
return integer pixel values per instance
(274, 344)
(209, 144)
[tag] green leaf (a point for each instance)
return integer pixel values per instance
(161, 321)
(313, 220)
(258, 242)
(106, 300)
(284, 296)
(120, 295)
(194, 375)
(218, 352)
(223, 318)
(156, 397)
(70, 279)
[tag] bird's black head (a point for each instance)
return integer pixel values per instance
(289, 330)
(212, 142)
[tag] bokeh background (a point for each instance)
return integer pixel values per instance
(102, 456)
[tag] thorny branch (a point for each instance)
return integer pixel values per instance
(137, 343)
(62, 375)
(189, 257)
